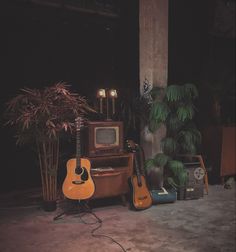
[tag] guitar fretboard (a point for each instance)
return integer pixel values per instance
(136, 166)
(78, 123)
(78, 151)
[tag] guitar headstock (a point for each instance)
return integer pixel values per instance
(131, 146)
(78, 123)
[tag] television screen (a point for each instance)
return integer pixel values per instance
(102, 138)
(106, 136)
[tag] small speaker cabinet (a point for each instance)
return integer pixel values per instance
(195, 179)
(194, 186)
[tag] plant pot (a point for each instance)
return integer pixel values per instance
(155, 178)
(49, 205)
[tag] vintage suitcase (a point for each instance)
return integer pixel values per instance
(163, 196)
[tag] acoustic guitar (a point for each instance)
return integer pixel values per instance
(78, 184)
(141, 197)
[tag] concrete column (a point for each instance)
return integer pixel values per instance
(153, 49)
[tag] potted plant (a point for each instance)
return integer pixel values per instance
(173, 106)
(39, 117)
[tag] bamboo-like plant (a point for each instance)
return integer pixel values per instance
(174, 107)
(39, 116)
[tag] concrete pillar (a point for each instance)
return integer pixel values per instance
(153, 49)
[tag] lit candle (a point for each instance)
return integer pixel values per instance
(101, 94)
(113, 95)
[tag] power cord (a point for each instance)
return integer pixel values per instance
(99, 226)
(86, 209)
(80, 216)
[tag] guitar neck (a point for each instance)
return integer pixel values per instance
(136, 166)
(78, 151)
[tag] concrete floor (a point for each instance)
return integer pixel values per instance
(206, 224)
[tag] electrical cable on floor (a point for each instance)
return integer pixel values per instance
(99, 226)
(80, 216)
(87, 209)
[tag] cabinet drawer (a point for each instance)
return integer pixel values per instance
(110, 184)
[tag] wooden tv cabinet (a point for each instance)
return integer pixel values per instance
(219, 147)
(110, 174)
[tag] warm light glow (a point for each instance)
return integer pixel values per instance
(101, 93)
(113, 93)
(108, 94)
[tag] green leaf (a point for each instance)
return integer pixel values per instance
(188, 149)
(176, 166)
(169, 145)
(185, 112)
(174, 93)
(157, 93)
(196, 135)
(159, 111)
(149, 163)
(158, 115)
(182, 177)
(190, 90)
(186, 136)
(171, 182)
(161, 159)
(153, 125)
(189, 139)
(179, 172)
(173, 123)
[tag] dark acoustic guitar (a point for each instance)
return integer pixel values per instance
(141, 197)
(78, 184)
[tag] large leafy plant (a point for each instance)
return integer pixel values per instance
(40, 116)
(174, 107)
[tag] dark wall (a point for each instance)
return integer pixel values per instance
(41, 45)
(202, 51)
(188, 39)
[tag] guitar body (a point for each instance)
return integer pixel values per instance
(75, 186)
(140, 196)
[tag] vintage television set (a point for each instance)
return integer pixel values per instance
(103, 138)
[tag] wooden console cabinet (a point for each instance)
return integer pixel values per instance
(110, 174)
(219, 147)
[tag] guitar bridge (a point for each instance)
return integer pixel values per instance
(142, 198)
(76, 182)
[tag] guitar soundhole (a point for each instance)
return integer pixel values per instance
(139, 183)
(78, 170)
(84, 176)
(83, 172)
